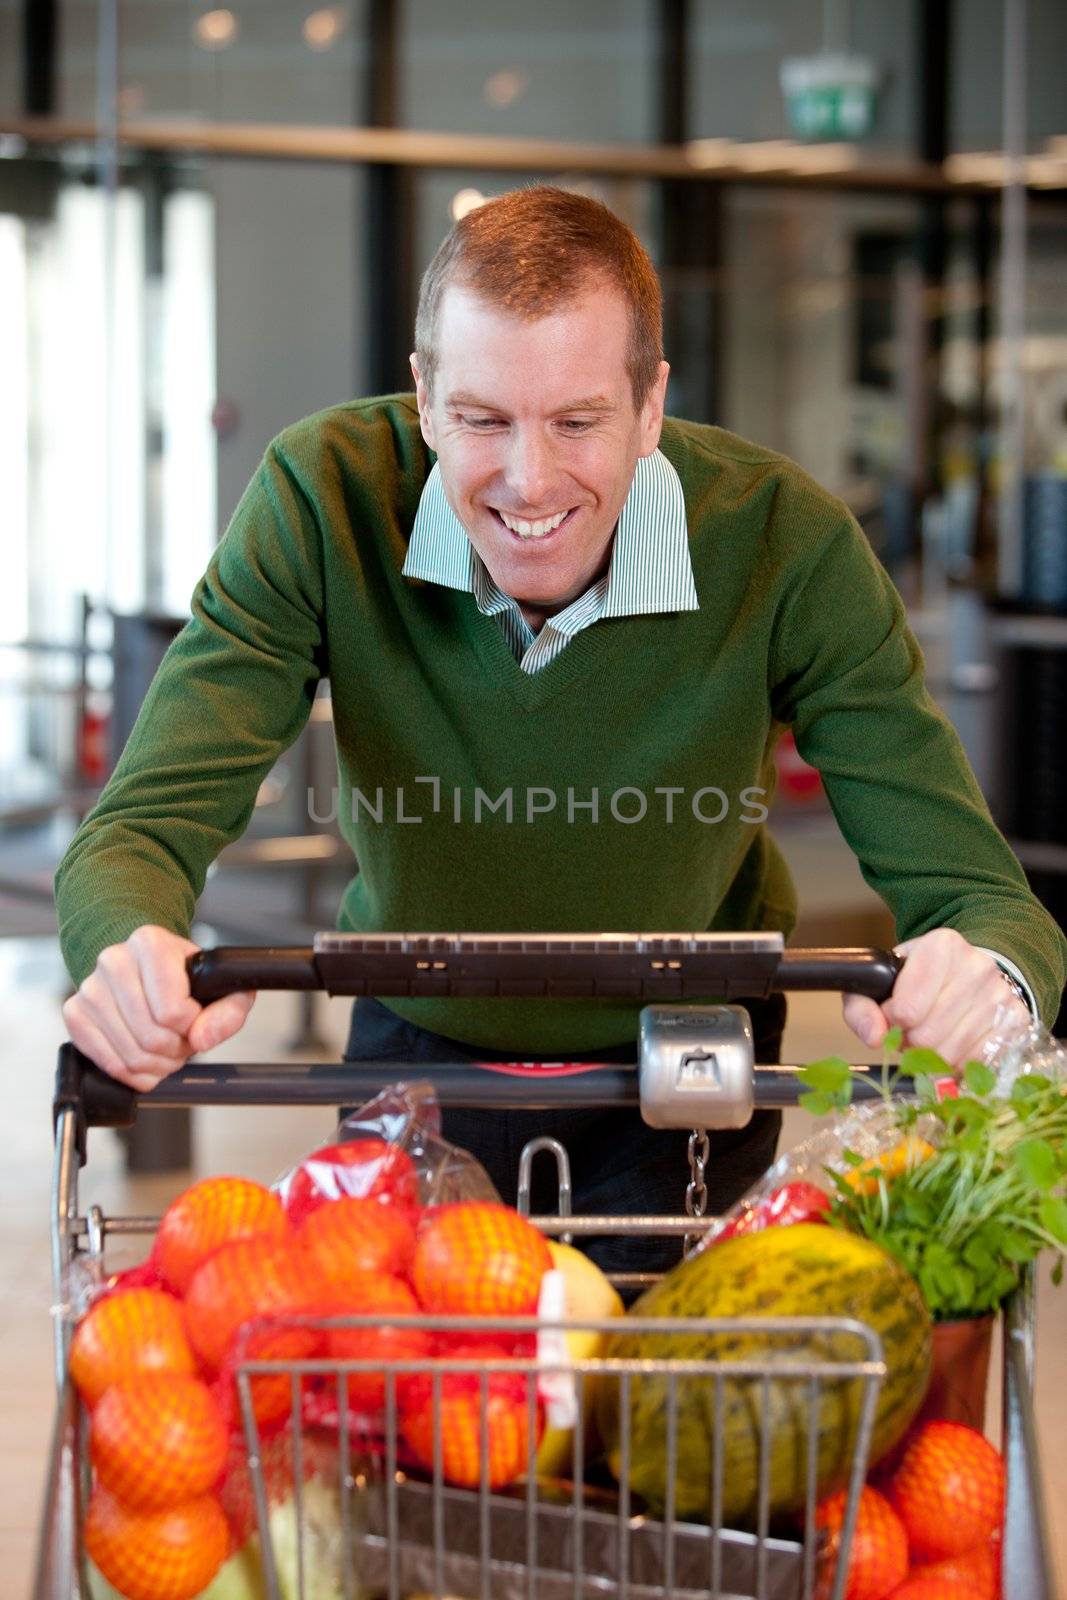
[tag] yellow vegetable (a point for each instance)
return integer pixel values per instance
(910, 1153)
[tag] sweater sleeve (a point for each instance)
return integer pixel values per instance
(233, 691)
(848, 676)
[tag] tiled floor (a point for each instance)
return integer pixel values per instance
(260, 1145)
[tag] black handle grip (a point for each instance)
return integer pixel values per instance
(232, 969)
(412, 965)
(870, 972)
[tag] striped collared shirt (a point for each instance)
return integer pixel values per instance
(650, 569)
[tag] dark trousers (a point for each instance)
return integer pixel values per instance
(619, 1165)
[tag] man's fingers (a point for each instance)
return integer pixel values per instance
(161, 958)
(866, 1019)
(119, 970)
(918, 985)
(99, 1005)
(220, 1020)
(91, 1041)
(965, 1006)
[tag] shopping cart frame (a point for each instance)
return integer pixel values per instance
(673, 967)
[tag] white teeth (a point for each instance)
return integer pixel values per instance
(532, 530)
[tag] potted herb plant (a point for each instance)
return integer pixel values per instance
(969, 1190)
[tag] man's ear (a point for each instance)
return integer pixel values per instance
(652, 410)
(422, 400)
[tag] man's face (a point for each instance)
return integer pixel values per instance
(537, 437)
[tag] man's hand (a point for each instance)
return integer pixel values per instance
(949, 997)
(134, 1015)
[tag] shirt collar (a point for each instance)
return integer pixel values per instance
(650, 567)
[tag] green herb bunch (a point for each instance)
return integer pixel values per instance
(966, 1219)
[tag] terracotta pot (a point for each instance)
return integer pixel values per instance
(959, 1373)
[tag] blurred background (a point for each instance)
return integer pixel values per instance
(213, 221)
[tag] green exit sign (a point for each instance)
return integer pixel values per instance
(830, 96)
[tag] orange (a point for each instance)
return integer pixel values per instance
(209, 1214)
(478, 1258)
(350, 1237)
(377, 1296)
(878, 1555)
(158, 1441)
(157, 1555)
(948, 1490)
(244, 1281)
(977, 1569)
(253, 1280)
(128, 1332)
(922, 1585)
(459, 1419)
(271, 1393)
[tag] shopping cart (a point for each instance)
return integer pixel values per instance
(402, 1535)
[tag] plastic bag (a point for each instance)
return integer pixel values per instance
(799, 1186)
(1015, 1049)
(390, 1149)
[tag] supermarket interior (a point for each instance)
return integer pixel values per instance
(214, 223)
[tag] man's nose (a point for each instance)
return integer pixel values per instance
(529, 468)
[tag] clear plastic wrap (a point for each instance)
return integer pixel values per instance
(859, 1143)
(390, 1149)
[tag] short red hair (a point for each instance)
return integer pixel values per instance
(532, 250)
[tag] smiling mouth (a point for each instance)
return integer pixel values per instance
(522, 529)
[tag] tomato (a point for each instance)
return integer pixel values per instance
(366, 1168)
(477, 1258)
(157, 1555)
(948, 1489)
(127, 1332)
(158, 1441)
(215, 1212)
(354, 1236)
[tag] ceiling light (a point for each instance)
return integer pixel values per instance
(216, 29)
(505, 87)
(322, 28)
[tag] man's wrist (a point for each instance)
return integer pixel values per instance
(1014, 980)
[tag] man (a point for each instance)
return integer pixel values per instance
(560, 657)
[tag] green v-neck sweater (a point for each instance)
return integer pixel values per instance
(637, 763)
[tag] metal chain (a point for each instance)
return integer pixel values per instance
(696, 1194)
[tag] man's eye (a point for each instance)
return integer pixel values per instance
(575, 424)
(481, 424)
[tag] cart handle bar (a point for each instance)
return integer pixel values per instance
(649, 967)
(99, 1101)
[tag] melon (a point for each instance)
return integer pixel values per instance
(807, 1270)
